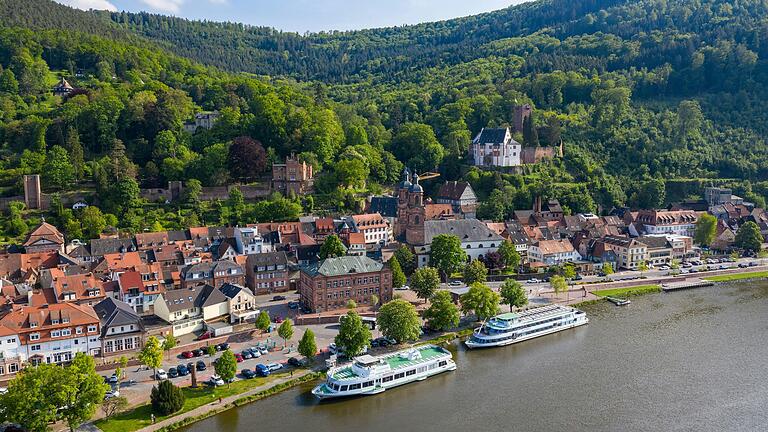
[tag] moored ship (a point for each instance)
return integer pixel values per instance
(509, 328)
(368, 375)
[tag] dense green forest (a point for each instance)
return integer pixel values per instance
(652, 98)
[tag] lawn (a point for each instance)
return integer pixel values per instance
(139, 417)
(737, 276)
(628, 291)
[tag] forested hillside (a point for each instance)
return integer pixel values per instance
(653, 99)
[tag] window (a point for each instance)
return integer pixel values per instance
(386, 379)
(400, 375)
(410, 372)
(34, 336)
(35, 348)
(12, 340)
(91, 328)
(66, 332)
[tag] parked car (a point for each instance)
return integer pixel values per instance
(263, 350)
(295, 362)
(190, 366)
(274, 366)
(403, 288)
(173, 373)
(278, 298)
(752, 264)
(112, 379)
(686, 265)
(533, 280)
(455, 283)
(200, 365)
(222, 346)
(278, 319)
(187, 354)
(262, 370)
(204, 336)
(182, 369)
(247, 354)
(110, 394)
(255, 353)
(199, 352)
(248, 373)
(239, 357)
(293, 305)
(161, 374)
(664, 267)
(216, 381)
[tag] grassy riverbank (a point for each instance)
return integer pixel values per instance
(628, 291)
(140, 416)
(737, 276)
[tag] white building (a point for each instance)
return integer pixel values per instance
(476, 238)
(52, 333)
(496, 147)
(374, 227)
(552, 252)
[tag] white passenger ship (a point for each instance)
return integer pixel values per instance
(509, 328)
(369, 375)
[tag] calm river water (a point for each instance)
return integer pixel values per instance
(686, 361)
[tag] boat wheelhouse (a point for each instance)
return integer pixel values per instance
(509, 328)
(368, 375)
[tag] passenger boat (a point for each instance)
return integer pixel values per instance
(368, 375)
(509, 328)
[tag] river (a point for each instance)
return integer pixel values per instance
(686, 361)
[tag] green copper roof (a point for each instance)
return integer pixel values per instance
(343, 266)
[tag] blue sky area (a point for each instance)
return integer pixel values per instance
(306, 15)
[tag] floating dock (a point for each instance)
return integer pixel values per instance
(686, 284)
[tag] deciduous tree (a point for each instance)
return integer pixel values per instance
(398, 320)
(480, 300)
(442, 314)
(151, 355)
(332, 247)
(308, 345)
(475, 271)
(226, 366)
(748, 237)
(706, 229)
(285, 331)
(425, 281)
(446, 254)
(354, 336)
(513, 294)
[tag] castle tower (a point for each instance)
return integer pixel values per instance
(32, 192)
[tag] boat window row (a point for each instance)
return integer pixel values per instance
(496, 331)
(516, 335)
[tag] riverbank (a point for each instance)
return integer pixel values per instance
(628, 291)
(737, 276)
(203, 402)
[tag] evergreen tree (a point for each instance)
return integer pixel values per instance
(166, 398)
(398, 277)
(530, 136)
(406, 258)
(76, 156)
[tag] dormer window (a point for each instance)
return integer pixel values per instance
(32, 324)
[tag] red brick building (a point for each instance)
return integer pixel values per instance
(331, 283)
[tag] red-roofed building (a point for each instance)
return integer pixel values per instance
(51, 333)
(44, 238)
(80, 289)
(374, 228)
(137, 292)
